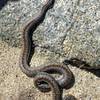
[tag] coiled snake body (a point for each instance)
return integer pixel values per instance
(43, 80)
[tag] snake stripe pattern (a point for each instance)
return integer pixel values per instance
(42, 78)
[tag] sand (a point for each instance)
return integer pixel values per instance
(14, 85)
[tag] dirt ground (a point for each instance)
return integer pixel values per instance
(14, 85)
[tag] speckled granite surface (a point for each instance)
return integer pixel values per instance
(71, 28)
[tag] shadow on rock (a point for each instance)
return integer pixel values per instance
(82, 65)
(27, 95)
(4, 2)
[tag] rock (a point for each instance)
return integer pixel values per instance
(71, 29)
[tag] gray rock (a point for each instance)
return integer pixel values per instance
(71, 29)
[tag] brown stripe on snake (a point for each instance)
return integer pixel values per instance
(43, 72)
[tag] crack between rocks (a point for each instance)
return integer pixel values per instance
(72, 24)
(64, 37)
(51, 50)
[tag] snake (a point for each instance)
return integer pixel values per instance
(42, 73)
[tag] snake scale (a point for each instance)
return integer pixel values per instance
(42, 78)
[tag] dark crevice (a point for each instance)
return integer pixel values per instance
(4, 2)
